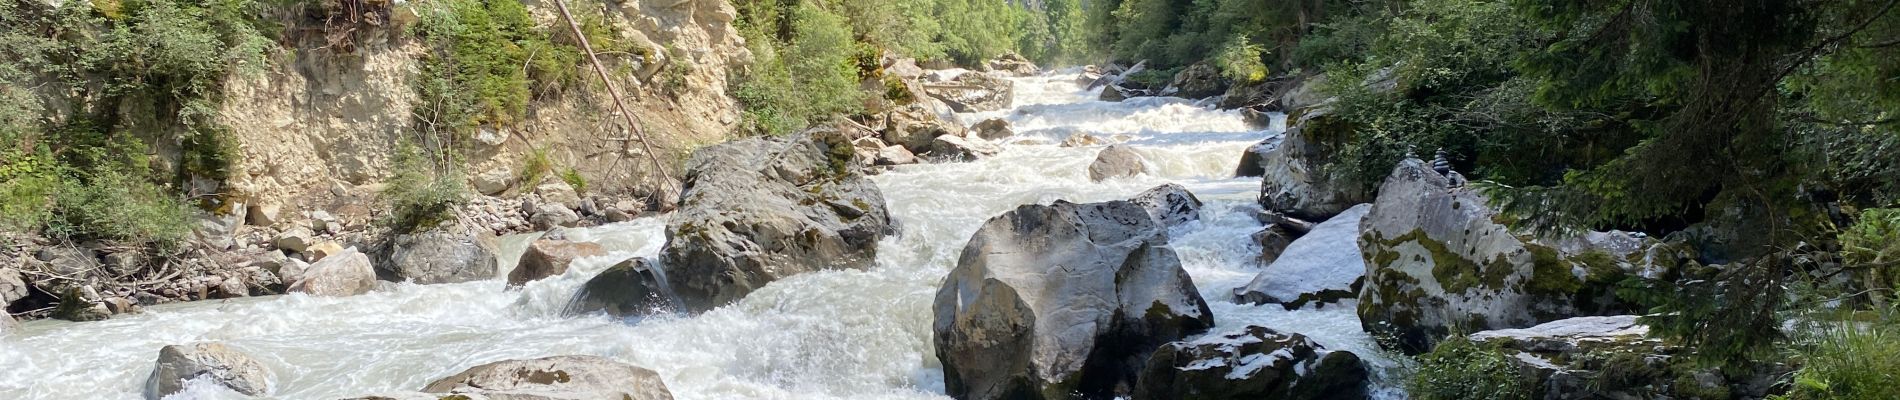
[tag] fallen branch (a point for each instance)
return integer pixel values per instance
(633, 124)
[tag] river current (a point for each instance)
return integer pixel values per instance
(825, 335)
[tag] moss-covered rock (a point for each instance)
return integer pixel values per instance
(1292, 179)
(1612, 357)
(1438, 261)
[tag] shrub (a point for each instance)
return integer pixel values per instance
(1850, 360)
(1461, 369)
(535, 166)
(574, 179)
(1239, 60)
(474, 73)
(1873, 242)
(807, 76)
(425, 191)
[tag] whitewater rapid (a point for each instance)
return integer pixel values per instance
(824, 335)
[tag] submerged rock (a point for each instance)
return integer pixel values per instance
(546, 258)
(558, 377)
(1437, 259)
(1061, 300)
(1254, 363)
(992, 129)
(348, 273)
(761, 209)
(222, 365)
(447, 255)
(1116, 161)
(633, 287)
(1323, 266)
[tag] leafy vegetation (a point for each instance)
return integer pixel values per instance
(1461, 369)
(425, 191)
(1848, 360)
(474, 75)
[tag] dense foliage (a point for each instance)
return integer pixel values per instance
(92, 89)
(1462, 369)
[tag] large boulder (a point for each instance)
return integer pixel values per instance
(973, 92)
(1613, 357)
(1062, 300)
(1253, 161)
(1253, 363)
(1170, 205)
(222, 365)
(757, 210)
(1323, 266)
(916, 128)
(1198, 81)
(558, 377)
(1292, 181)
(1116, 161)
(546, 258)
(632, 288)
(348, 273)
(443, 255)
(1437, 259)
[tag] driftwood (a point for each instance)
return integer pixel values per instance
(633, 124)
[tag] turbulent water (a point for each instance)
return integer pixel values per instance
(826, 335)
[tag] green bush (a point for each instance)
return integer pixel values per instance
(575, 180)
(535, 166)
(1459, 369)
(474, 74)
(801, 78)
(1873, 242)
(425, 191)
(1850, 360)
(1239, 60)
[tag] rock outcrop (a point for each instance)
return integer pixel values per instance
(1198, 81)
(344, 274)
(973, 92)
(1292, 181)
(1612, 357)
(442, 255)
(222, 365)
(1055, 301)
(546, 258)
(1436, 259)
(631, 288)
(757, 210)
(1323, 266)
(1254, 363)
(916, 127)
(559, 377)
(1116, 161)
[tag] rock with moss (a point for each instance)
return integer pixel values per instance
(558, 377)
(1612, 357)
(1438, 260)
(758, 210)
(1323, 266)
(1062, 300)
(1198, 81)
(1255, 362)
(451, 254)
(215, 362)
(547, 257)
(1293, 180)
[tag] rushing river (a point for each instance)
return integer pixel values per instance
(826, 335)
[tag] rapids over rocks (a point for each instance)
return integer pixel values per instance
(822, 335)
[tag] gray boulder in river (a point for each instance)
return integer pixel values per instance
(1323, 266)
(1052, 301)
(1116, 161)
(1292, 181)
(547, 257)
(760, 209)
(1253, 363)
(347, 273)
(222, 365)
(1436, 258)
(631, 288)
(1170, 205)
(558, 377)
(443, 255)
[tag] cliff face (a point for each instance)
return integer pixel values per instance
(322, 119)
